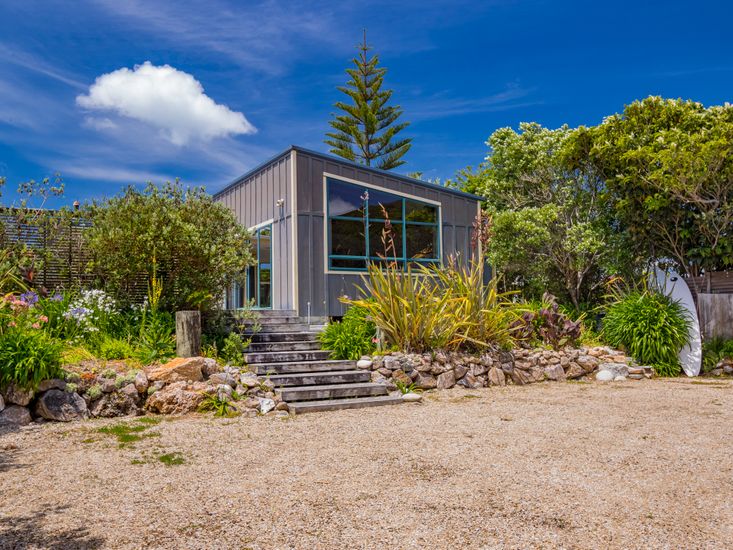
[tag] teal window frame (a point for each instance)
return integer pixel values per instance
(403, 259)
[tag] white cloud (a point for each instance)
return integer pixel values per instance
(168, 99)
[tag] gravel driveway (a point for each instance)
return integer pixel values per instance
(574, 465)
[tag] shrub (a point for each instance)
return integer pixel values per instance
(714, 351)
(232, 353)
(28, 356)
(114, 348)
(649, 325)
(352, 337)
(544, 323)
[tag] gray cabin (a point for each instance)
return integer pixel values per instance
(317, 220)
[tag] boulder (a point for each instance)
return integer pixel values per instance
(587, 362)
(61, 406)
(377, 378)
(728, 369)
(620, 379)
(177, 398)
(141, 382)
(537, 374)
(266, 405)
(605, 376)
(411, 397)
(400, 376)
(15, 415)
(391, 362)
(52, 384)
(130, 391)
(470, 381)
(180, 369)
(121, 403)
(107, 385)
(17, 396)
(282, 406)
(446, 380)
(426, 381)
(210, 366)
(555, 372)
(223, 378)
(478, 369)
(520, 377)
(460, 371)
(364, 364)
(496, 377)
(574, 371)
(249, 379)
(618, 369)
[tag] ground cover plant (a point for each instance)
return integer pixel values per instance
(353, 336)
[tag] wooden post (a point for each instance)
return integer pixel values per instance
(188, 333)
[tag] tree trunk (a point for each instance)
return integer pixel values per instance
(188, 333)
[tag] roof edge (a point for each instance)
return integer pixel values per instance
(333, 158)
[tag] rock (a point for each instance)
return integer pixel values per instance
(180, 369)
(121, 403)
(520, 377)
(618, 369)
(107, 385)
(249, 379)
(268, 385)
(282, 406)
(130, 391)
(496, 377)
(470, 381)
(266, 405)
(537, 374)
(52, 384)
(587, 362)
(555, 372)
(574, 370)
(411, 397)
(478, 370)
(507, 367)
(390, 362)
(61, 406)
(223, 378)
(425, 381)
(446, 380)
(17, 396)
(177, 398)
(620, 379)
(728, 369)
(2, 403)
(636, 376)
(141, 382)
(716, 372)
(210, 366)
(460, 371)
(605, 376)
(384, 371)
(399, 376)
(364, 364)
(15, 415)
(377, 378)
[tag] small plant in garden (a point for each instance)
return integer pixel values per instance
(545, 323)
(115, 348)
(157, 341)
(649, 325)
(233, 351)
(407, 388)
(219, 405)
(351, 338)
(172, 459)
(714, 351)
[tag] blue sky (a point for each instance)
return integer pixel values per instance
(116, 92)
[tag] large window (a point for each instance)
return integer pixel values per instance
(257, 289)
(358, 227)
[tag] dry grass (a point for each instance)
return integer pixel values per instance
(635, 464)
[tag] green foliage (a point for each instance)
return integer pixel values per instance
(649, 325)
(157, 339)
(114, 348)
(550, 222)
(436, 307)
(407, 388)
(94, 392)
(669, 169)
(351, 338)
(367, 130)
(545, 323)
(196, 244)
(219, 405)
(172, 459)
(232, 353)
(714, 351)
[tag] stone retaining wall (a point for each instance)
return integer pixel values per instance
(443, 370)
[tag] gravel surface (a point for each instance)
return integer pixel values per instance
(574, 465)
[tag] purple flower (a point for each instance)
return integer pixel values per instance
(29, 297)
(57, 297)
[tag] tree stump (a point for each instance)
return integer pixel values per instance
(188, 333)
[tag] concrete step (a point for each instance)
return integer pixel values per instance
(274, 321)
(332, 391)
(319, 378)
(286, 356)
(275, 313)
(304, 367)
(295, 336)
(300, 407)
(267, 347)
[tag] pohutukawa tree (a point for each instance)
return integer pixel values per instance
(367, 130)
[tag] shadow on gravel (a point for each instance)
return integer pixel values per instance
(9, 459)
(28, 532)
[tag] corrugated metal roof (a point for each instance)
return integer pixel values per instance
(332, 158)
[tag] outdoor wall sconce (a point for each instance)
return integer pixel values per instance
(280, 203)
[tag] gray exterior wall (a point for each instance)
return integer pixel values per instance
(253, 200)
(321, 289)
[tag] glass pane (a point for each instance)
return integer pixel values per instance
(380, 244)
(341, 263)
(422, 241)
(265, 248)
(251, 290)
(345, 199)
(265, 286)
(391, 203)
(347, 238)
(421, 212)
